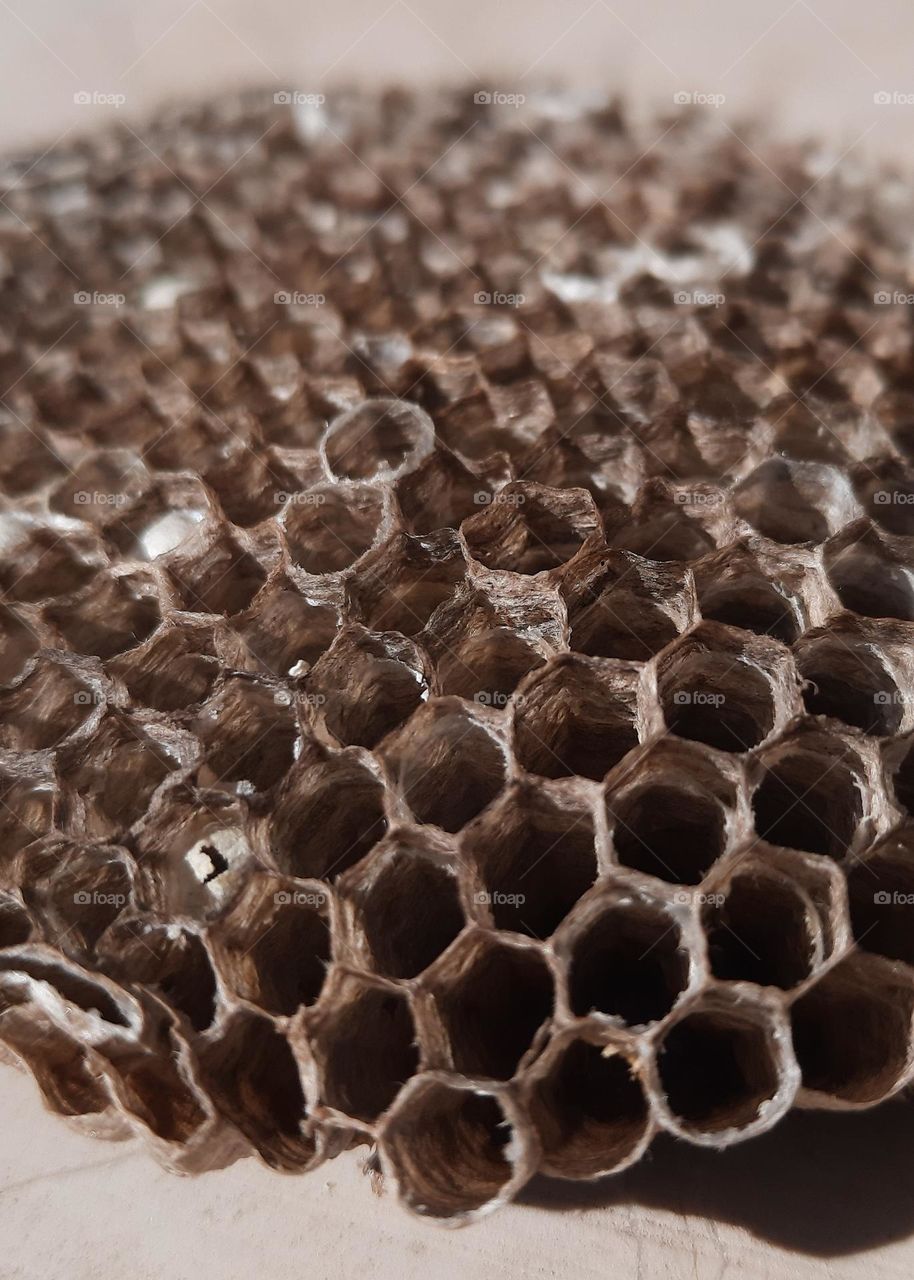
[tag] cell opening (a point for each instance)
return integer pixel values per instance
(761, 933)
(717, 1071)
(806, 804)
(630, 963)
(370, 1051)
(669, 833)
(411, 915)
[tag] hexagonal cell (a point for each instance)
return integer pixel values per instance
(28, 794)
(273, 947)
(326, 817)
(447, 765)
(174, 670)
(588, 1105)
(494, 999)
(366, 1020)
(254, 1081)
(15, 922)
(726, 689)
(852, 1031)
(328, 528)
(114, 613)
(214, 573)
(810, 796)
(627, 958)
(868, 577)
(248, 732)
(111, 775)
(454, 1150)
(280, 631)
(170, 959)
(19, 640)
(670, 820)
(399, 939)
(378, 439)
(251, 484)
(733, 589)
(622, 606)
(847, 678)
(42, 561)
(402, 583)
(527, 528)
(62, 1071)
(662, 530)
(792, 502)
(880, 891)
(762, 928)
(577, 716)
(724, 1070)
(166, 514)
(534, 855)
(100, 486)
(439, 493)
(154, 1090)
(367, 684)
(48, 704)
(77, 891)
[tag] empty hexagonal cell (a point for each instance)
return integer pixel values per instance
(18, 641)
(61, 1068)
(100, 486)
(280, 630)
(527, 528)
(494, 1000)
(847, 679)
(152, 1089)
(174, 670)
(327, 528)
(326, 818)
(447, 765)
(739, 595)
(76, 890)
(254, 1081)
(214, 573)
(627, 958)
(366, 1021)
(588, 1104)
(402, 582)
(762, 928)
(15, 922)
(852, 1031)
(367, 684)
(114, 613)
(440, 493)
(378, 439)
(42, 561)
(622, 606)
(251, 484)
(534, 855)
(868, 577)
(578, 716)
(169, 958)
(454, 1149)
(725, 689)
(791, 501)
(166, 514)
(28, 791)
(273, 947)
(48, 704)
(669, 822)
(248, 733)
(661, 529)
(880, 890)
(724, 1070)
(405, 904)
(111, 776)
(809, 797)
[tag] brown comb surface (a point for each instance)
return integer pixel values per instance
(457, 570)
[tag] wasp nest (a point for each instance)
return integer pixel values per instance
(458, 603)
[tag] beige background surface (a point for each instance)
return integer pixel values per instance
(823, 1196)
